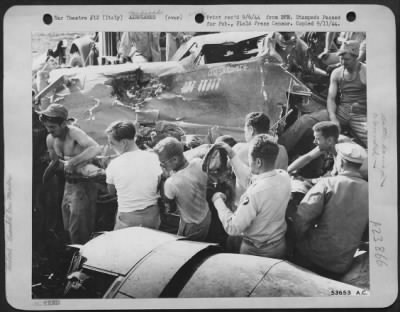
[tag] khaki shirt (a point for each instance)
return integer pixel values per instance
(260, 216)
(242, 150)
(331, 220)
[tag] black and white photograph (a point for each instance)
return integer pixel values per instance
(165, 162)
(232, 159)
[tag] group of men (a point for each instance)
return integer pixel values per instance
(328, 223)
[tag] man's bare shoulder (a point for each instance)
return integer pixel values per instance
(336, 73)
(50, 140)
(240, 146)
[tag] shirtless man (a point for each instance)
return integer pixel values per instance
(74, 148)
(349, 82)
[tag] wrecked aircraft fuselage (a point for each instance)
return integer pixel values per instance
(194, 98)
(162, 265)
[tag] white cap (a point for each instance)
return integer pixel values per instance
(351, 152)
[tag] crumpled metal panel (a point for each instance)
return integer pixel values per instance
(119, 251)
(150, 277)
(288, 280)
(227, 275)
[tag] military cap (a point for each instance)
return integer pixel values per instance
(351, 152)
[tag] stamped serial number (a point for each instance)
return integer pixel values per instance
(340, 292)
(347, 292)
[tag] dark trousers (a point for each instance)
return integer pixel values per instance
(193, 231)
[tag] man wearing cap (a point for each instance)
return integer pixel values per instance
(332, 217)
(349, 83)
(72, 147)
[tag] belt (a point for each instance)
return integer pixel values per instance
(357, 108)
(265, 244)
(74, 179)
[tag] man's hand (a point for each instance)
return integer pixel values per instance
(69, 166)
(227, 148)
(322, 56)
(123, 59)
(213, 133)
(218, 195)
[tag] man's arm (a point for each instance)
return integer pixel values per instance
(269, 47)
(237, 222)
(304, 160)
(241, 169)
(310, 208)
(362, 56)
(54, 164)
(169, 196)
(329, 40)
(90, 146)
(111, 189)
(331, 100)
(282, 159)
(50, 148)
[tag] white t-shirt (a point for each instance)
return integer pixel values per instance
(135, 176)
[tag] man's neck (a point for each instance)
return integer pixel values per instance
(265, 170)
(353, 68)
(332, 150)
(183, 164)
(131, 148)
(64, 134)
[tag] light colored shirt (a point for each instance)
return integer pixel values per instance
(188, 188)
(331, 219)
(260, 217)
(135, 176)
(242, 150)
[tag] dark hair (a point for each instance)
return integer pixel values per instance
(327, 129)
(122, 130)
(259, 121)
(228, 139)
(262, 147)
(55, 120)
(170, 146)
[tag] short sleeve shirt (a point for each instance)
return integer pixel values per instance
(135, 176)
(188, 187)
